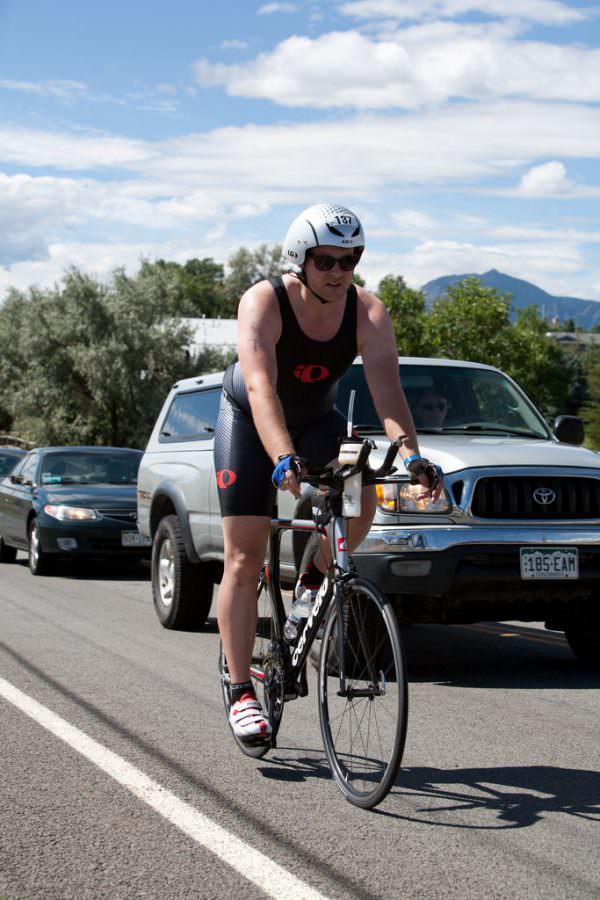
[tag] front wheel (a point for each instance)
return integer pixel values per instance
(364, 725)
(39, 563)
(266, 671)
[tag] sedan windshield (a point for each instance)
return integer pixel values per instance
(450, 400)
(90, 468)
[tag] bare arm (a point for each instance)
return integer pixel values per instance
(259, 328)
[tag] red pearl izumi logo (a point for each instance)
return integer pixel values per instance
(310, 374)
(225, 478)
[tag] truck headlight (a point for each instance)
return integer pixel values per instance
(403, 497)
(71, 513)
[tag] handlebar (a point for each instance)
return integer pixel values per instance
(331, 476)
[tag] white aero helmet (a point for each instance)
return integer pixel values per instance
(324, 224)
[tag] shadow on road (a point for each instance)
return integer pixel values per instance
(516, 796)
(494, 655)
(98, 569)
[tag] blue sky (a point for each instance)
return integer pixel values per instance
(465, 134)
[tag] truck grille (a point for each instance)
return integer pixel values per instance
(536, 498)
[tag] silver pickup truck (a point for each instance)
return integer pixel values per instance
(515, 534)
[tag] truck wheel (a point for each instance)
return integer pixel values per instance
(182, 591)
(7, 554)
(583, 634)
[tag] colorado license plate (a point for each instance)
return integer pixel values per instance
(549, 563)
(134, 539)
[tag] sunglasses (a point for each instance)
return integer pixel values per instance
(430, 407)
(324, 262)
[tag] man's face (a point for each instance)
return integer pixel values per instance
(331, 283)
(431, 410)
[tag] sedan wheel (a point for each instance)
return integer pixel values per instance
(38, 560)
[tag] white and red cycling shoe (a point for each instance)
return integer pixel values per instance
(247, 720)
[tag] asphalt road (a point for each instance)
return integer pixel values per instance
(120, 778)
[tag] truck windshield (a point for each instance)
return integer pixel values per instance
(450, 400)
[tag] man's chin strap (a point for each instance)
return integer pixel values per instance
(302, 277)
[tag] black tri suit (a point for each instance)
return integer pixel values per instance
(308, 372)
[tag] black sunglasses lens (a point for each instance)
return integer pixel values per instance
(325, 263)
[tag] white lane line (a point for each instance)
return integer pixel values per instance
(271, 878)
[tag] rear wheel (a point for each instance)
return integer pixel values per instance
(7, 554)
(365, 729)
(266, 672)
(182, 590)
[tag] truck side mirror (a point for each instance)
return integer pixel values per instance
(569, 429)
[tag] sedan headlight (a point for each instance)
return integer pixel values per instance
(403, 497)
(71, 513)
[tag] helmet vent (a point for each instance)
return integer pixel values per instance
(334, 230)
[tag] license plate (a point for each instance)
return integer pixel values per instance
(134, 539)
(549, 563)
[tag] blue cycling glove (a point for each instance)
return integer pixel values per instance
(284, 464)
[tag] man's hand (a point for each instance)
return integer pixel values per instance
(287, 474)
(424, 472)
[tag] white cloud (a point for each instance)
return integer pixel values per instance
(229, 185)
(543, 263)
(32, 147)
(63, 90)
(547, 180)
(427, 64)
(553, 263)
(411, 222)
(267, 8)
(212, 174)
(233, 45)
(548, 12)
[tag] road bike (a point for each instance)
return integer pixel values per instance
(362, 680)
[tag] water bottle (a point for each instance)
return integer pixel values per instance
(299, 613)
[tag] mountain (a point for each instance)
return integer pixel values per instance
(585, 313)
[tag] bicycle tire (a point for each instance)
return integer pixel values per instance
(364, 733)
(265, 671)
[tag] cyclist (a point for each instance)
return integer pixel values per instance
(297, 335)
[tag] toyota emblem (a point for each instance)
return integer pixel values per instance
(544, 496)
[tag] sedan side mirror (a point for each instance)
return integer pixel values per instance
(569, 429)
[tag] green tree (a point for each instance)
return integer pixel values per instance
(246, 267)
(551, 376)
(407, 312)
(470, 321)
(92, 363)
(590, 409)
(198, 286)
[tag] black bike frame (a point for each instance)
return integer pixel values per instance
(295, 655)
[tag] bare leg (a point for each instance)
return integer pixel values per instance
(245, 547)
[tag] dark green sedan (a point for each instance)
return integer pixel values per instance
(71, 502)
